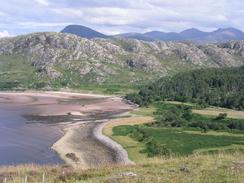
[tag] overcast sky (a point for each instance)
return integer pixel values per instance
(119, 16)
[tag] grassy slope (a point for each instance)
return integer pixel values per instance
(116, 79)
(198, 168)
(16, 70)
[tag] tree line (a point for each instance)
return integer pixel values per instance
(222, 87)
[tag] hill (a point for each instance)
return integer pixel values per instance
(58, 60)
(220, 87)
(83, 31)
(193, 35)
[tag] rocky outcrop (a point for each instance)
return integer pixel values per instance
(55, 53)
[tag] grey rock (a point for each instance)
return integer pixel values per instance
(128, 174)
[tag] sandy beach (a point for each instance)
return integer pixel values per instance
(81, 118)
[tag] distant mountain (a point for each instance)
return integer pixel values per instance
(142, 37)
(194, 35)
(222, 35)
(83, 31)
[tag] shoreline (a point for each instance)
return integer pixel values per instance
(60, 147)
(63, 146)
(82, 144)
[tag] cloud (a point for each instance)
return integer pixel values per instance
(116, 16)
(42, 24)
(42, 2)
(4, 34)
(2, 13)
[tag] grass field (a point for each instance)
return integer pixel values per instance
(130, 145)
(210, 111)
(215, 111)
(184, 143)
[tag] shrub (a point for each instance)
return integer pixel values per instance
(138, 135)
(154, 148)
(221, 116)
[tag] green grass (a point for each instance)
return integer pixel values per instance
(17, 72)
(144, 111)
(201, 169)
(181, 142)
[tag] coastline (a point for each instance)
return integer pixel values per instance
(65, 145)
(83, 144)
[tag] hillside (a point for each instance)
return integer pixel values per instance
(44, 60)
(197, 168)
(217, 86)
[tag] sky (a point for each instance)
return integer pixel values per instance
(119, 16)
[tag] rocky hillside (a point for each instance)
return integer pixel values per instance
(71, 60)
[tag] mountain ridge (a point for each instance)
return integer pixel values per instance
(192, 34)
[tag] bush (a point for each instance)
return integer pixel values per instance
(138, 135)
(221, 116)
(237, 125)
(154, 148)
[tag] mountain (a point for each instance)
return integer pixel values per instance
(194, 35)
(66, 60)
(142, 37)
(191, 34)
(83, 31)
(156, 35)
(222, 35)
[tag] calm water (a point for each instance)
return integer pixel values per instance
(22, 143)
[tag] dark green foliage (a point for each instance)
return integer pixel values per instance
(154, 148)
(138, 135)
(221, 116)
(171, 115)
(218, 87)
(236, 125)
(8, 85)
(181, 116)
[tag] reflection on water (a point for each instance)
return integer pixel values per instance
(22, 143)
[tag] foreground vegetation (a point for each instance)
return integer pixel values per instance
(196, 168)
(219, 87)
